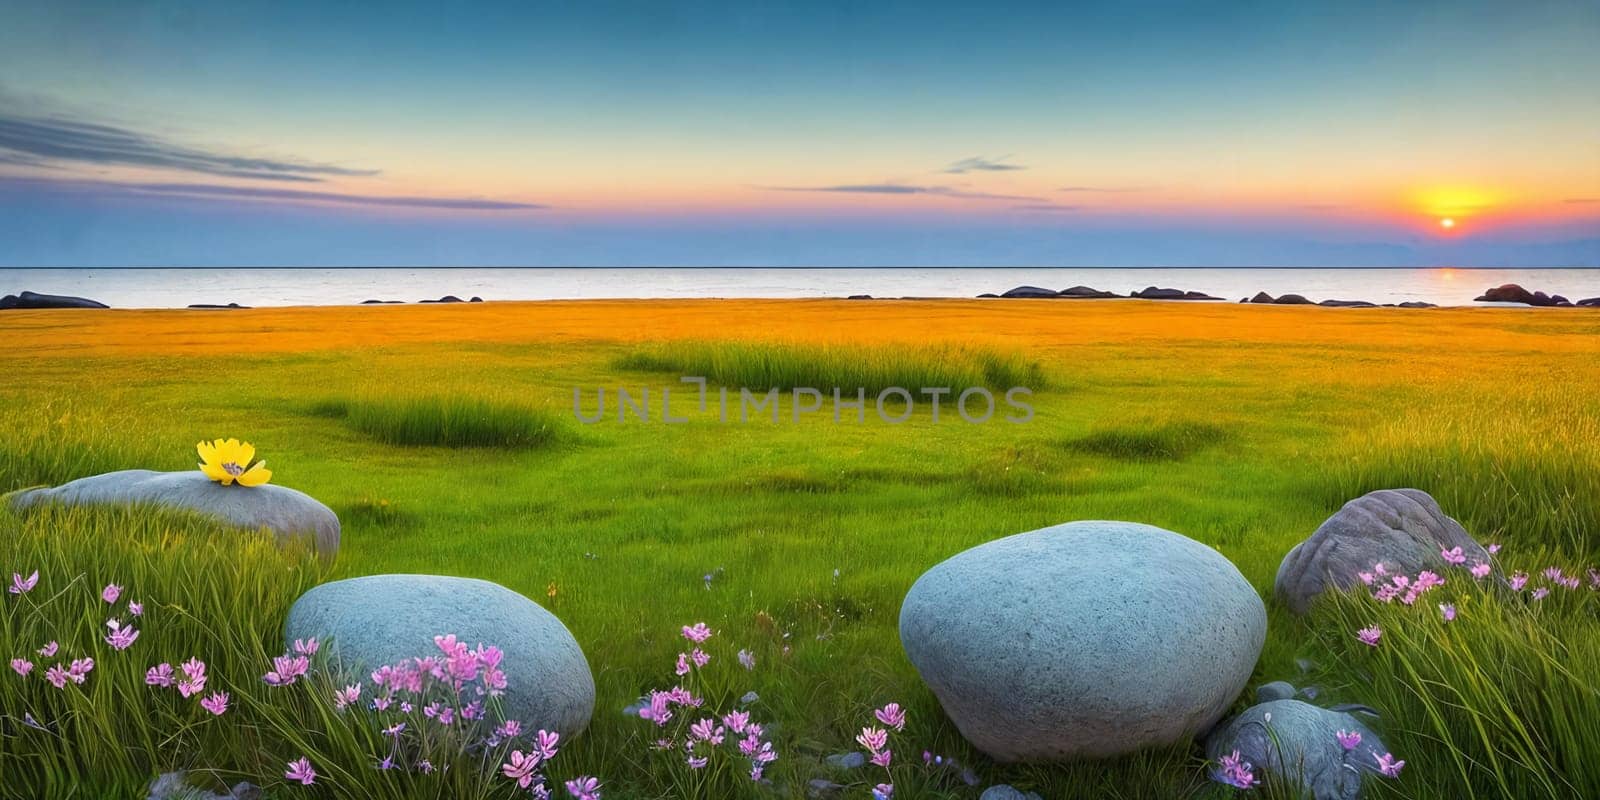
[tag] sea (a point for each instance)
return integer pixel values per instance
(177, 288)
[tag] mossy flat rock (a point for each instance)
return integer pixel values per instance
(1084, 640)
(284, 511)
(382, 619)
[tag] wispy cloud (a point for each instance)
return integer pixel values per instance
(1046, 207)
(205, 190)
(57, 138)
(1102, 189)
(899, 189)
(981, 164)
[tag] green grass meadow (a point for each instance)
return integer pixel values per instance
(798, 539)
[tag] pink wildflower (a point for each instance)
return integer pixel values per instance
(1235, 771)
(1453, 556)
(1480, 570)
(20, 585)
(111, 593)
(521, 768)
(21, 666)
(216, 703)
(747, 659)
(883, 791)
(1541, 593)
(1348, 739)
(159, 675)
(48, 650)
(544, 743)
(682, 667)
(707, 730)
(1519, 579)
(696, 633)
(80, 668)
(1554, 574)
(136, 609)
(699, 657)
(287, 670)
(301, 771)
(1370, 636)
(1388, 765)
(120, 638)
(584, 788)
(56, 676)
(1366, 577)
(736, 720)
(882, 758)
(696, 762)
(1448, 611)
(874, 739)
(892, 715)
(509, 729)
(346, 696)
(306, 647)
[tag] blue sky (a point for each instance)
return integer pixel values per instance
(1184, 134)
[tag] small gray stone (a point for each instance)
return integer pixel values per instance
(381, 619)
(1402, 528)
(821, 787)
(846, 760)
(1007, 792)
(1277, 690)
(1088, 639)
(1296, 742)
(282, 510)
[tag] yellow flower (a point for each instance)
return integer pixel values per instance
(228, 460)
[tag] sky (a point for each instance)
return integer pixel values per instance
(807, 134)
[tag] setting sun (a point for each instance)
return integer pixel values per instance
(1447, 223)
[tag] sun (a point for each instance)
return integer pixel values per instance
(1447, 223)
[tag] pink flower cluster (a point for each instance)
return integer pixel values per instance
(1233, 770)
(702, 737)
(75, 671)
(876, 742)
(525, 768)
(286, 669)
(192, 683)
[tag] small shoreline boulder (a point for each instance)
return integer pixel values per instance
(1086, 292)
(1403, 528)
(375, 620)
(27, 300)
(1158, 293)
(1083, 640)
(1292, 299)
(1030, 292)
(286, 512)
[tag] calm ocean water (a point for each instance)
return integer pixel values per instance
(175, 288)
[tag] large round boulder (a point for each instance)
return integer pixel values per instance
(1297, 744)
(1403, 528)
(1083, 640)
(284, 511)
(383, 619)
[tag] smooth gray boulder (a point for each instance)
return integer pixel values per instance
(1403, 528)
(382, 619)
(1296, 742)
(1083, 640)
(284, 511)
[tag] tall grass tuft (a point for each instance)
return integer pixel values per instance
(1521, 467)
(445, 422)
(208, 592)
(1151, 441)
(788, 366)
(1503, 701)
(61, 441)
